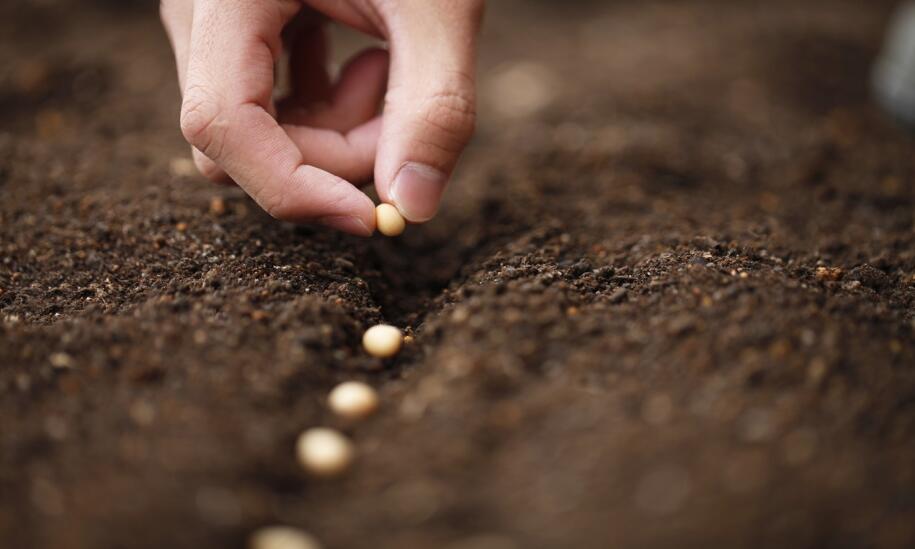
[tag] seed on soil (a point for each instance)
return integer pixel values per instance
(382, 341)
(182, 167)
(282, 537)
(324, 452)
(353, 400)
(389, 220)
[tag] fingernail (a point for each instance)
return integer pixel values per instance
(347, 224)
(417, 190)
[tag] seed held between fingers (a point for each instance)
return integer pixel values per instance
(324, 452)
(382, 341)
(353, 400)
(389, 221)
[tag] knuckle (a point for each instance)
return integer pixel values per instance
(276, 205)
(452, 111)
(203, 121)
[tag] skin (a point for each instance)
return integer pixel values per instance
(300, 157)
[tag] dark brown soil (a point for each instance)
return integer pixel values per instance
(673, 308)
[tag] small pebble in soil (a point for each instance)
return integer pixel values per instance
(61, 361)
(282, 537)
(382, 341)
(324, 452)
(389, 220)
(617, 295)
(353, 400)
(217, 206)
(259, 315)
(31, 77)
(829, 274)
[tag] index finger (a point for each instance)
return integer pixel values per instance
(226, 114)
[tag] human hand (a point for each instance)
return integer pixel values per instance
(297, 156)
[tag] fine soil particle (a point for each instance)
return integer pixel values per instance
(669, 300)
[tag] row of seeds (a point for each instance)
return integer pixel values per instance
(325, 452)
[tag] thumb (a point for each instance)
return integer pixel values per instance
(430, 107)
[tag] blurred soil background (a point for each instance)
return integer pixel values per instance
(669, 301)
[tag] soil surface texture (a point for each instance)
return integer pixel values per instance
(668, 302)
